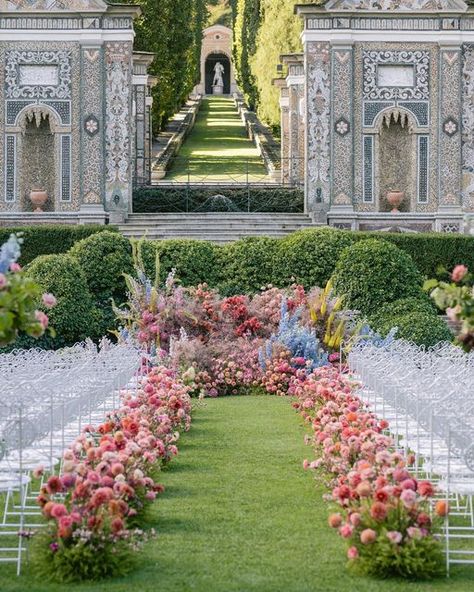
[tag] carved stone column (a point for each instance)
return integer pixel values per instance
(118, 129)
(92, 188)
(468, 128)
(318, 118)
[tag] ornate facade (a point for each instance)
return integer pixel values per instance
(74, 110)
(389, 105)
(216, 46)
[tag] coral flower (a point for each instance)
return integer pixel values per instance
(378, 511)
(368, 536)
(426, 489)
(58, 511)
(459, 273)
(335, 520)
(442, 508)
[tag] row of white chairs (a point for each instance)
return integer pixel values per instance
(427, 395)
(46, 399)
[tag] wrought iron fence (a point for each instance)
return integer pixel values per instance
(220, 184)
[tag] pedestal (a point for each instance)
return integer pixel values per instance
(218, 90)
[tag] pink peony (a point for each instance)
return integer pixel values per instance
(408, 497)
(368, 536)
(41, 318)
(459, 273)
(378, 511)
(395, 537)
(346, 531)
(352, 553)
(355, 519)
(58, 510)
(49, 300)
(335, 520)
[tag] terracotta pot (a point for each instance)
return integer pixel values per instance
(38, 198)
(395, 198)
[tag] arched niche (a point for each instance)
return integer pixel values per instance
(43, 156)
(210, 64)
(400, 159)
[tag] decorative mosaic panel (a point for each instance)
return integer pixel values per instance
(396, 5)
(91, 138)
(423, 168)
(10, 174)
(65, 162)
(318, 123)
(368, 152)
(419, 60)
(450, 138)
(372, 109)
(13, 108)
(468, 127)
(420, 109)
(343, 148)
(41, 85)
(118, 57)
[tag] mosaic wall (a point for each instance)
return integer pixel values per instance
(118, 131)
(318, 97)
(416, 102)
(36, 74)
(468, 127)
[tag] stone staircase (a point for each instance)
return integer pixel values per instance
(218, 227)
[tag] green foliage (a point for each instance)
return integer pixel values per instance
(248, 264)
(48, 239)
(418, 559)
(74, 317)
(151, 200)
(221, 12)
(309, 256)
(401, 307)
(172, 29)
(419, 327)
(374, 272)
(81, 562)
(247, 23)
(104, 258)
(196, 262)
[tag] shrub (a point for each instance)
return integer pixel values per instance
(74, 318)
(195, 262)
(422, 304)
(372, 273)
(104, 257)
(50, 238)
(309, 256)
(422, 328)
(248, 264)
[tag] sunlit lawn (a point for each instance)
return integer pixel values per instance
(218, 149)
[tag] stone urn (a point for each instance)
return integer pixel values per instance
(38, 198)
(395, 198)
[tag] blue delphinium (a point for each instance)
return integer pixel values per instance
(368, 335)
(301, 341)
(9, 253)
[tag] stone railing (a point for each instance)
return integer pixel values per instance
(269, 148)
(173, 137)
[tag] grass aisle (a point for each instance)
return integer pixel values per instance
(240, 514)
(218, 148)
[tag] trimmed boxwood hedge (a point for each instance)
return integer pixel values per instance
(419, 327)
(47, 239)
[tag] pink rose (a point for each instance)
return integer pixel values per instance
(408, 498)
(352, 553)
(41, 318)
(459, 273)
(49, 300)
(346, 531)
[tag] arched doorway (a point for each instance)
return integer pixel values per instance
(211, 62)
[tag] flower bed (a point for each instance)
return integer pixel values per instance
(107, 481)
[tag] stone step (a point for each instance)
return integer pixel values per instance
(219, 216)
(216, 226)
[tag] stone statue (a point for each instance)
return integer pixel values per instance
(218, 72)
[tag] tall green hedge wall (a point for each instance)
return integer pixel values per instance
(50, 239)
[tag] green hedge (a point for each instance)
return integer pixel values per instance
(421, 328)
(374, 272)
(50, 238)
(74, 317)
(152, 200)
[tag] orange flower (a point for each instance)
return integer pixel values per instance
(442, 508)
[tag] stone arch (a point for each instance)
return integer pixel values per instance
(396, 157)
(39, 159)
(211, 60)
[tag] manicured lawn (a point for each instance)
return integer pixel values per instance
(218, 148)
(240, 515)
